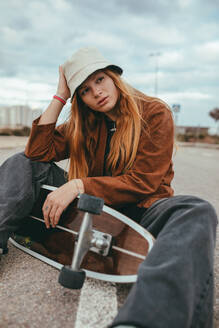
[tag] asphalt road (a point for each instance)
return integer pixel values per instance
(197, 173)
(30, 295)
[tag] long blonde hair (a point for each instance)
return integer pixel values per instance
(81, 132)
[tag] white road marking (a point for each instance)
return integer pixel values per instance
(97, 304)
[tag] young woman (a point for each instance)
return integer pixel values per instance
(120, 143)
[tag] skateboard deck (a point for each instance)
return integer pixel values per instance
(129, 242)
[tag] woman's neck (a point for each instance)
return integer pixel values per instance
(112, 114)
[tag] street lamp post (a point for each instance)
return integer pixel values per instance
(156, 55)
(176, 110)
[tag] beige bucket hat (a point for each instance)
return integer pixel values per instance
(83, 63)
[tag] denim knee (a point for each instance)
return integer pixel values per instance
(16, 157)
(185, 210)
(204, 219)
(206, 209)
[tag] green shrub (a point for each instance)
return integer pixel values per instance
(5, 132)
(215, 137)
(183, 137)
(17, 132)
(25, 131)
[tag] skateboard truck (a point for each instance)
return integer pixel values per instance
(72, 276)
(101, 242)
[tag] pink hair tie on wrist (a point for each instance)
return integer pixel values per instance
(62, 100)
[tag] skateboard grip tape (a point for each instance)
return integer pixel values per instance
(90, 204)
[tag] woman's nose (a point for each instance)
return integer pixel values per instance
(97, 92)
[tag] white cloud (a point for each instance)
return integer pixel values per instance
(148, 30)
(178, 96)
(18, 91)
(36, 36)
(101, 39)
(140, 78)
(184, 3)
(171, 59)
(9, 35)
(208, 52)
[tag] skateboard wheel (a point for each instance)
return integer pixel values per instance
(90, 204)
(71, 279)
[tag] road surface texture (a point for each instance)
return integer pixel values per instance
(30, 296)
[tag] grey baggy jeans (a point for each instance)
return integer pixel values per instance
(20, 181)
(175, 283)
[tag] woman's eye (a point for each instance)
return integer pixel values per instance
(84, 91)
(100, 79)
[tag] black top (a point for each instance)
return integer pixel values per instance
(132, 211)
(111, 128)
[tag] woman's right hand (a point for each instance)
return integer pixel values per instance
(52, 112)
(63, 89)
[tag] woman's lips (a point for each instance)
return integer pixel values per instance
(103, 101)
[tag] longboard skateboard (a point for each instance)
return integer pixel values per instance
(104, 245)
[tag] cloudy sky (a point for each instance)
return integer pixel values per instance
(177, 38)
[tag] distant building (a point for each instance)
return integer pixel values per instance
(17, 116)
(191, 130)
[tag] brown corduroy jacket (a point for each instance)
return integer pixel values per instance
(149, 178)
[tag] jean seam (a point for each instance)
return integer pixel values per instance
(43, 175)
(202, 299)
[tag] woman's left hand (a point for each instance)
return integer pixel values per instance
(57, 201)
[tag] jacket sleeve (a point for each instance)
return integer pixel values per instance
(47, 142)
(153, 161)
